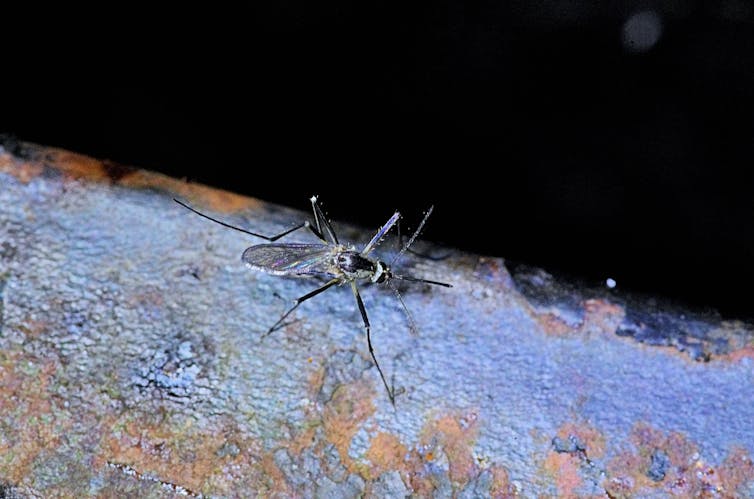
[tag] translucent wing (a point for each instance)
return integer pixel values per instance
(290, 259)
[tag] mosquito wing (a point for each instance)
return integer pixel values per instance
(290, 259)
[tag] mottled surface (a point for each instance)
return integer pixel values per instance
(132, 363)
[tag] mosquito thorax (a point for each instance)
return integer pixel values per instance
(354, 265)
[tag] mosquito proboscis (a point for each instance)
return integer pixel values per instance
(329, 259)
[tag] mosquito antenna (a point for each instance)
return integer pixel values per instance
(239, 229)
(411, 322)
(413, 237)
(416, 279)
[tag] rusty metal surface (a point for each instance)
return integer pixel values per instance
(132, 363)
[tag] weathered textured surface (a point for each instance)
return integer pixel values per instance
(132, 363)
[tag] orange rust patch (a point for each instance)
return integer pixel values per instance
(176, 457)
(24, 171)
(600, 316)
(457, 436)
(179, 454)
(591, 438)
(552, 324)
(501, 487)
(273, 478)
(746, 352)
(201, 195)
(736, 471)
(386, 453)
(75, 166)
(350, 406)
(564, 468)
(304, 439)
(686, 474)
(450, 436)
(26, 406)
(316, 381)
(71, 165)
(647, 439)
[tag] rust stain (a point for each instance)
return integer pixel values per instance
(448, 437)
(675, 444)
(28, 408)
(161, 446)
(736, 471)
(273, 477)
(386, 453)
(452, 437)
(682, 470)
(600, 317)
(304, 439)
(24, 171)
(501, 487)
(116, 171)
(73, 166)
(593, 440)
(552, 324)
(316, 380)
(350, 406)
(746, 352)
(182, 455)
(307, 438)
(564, 468)
(630, 471)
(201, 195)
(457, 436)
(174, 456)
(577, 445)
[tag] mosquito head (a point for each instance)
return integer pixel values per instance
(382, 272)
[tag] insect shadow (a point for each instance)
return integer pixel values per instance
(329, 259)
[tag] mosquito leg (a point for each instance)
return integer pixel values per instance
(323, 225)
(400, 236)
(381, 233)
(363, 310)
(239, 229)
(411, 322)
(301, 300)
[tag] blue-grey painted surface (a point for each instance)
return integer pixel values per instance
(144, 305)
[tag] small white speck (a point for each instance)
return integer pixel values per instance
(610, 282)
(313, 199)
(641, 31)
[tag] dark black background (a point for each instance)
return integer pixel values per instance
(535, 130)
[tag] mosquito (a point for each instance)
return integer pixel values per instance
(329, 259)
